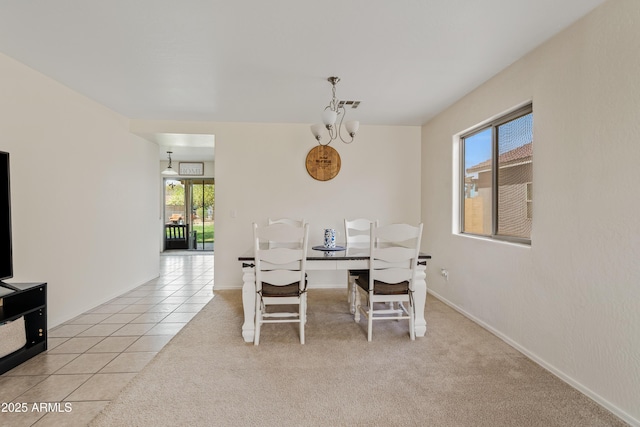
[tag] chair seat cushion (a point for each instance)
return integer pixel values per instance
(290, 290)
(382, 288)
(358, 272)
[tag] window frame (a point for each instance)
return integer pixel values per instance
(493, 125)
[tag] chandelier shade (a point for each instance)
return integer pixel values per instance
(316, 130)
(329, 117)
(352, 127)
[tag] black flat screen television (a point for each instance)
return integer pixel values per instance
(6, 252)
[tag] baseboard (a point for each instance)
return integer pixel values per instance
(327, 286)
(555, 371)
(52, 322)
(217, 287)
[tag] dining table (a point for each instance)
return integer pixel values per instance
(342, 258)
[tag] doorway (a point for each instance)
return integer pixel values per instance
(189, 205)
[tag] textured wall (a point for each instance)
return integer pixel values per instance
(571, 300)
(261, 173)
(84, 192)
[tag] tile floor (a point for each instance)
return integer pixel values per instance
(93, 356)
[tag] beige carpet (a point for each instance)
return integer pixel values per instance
(458, 375)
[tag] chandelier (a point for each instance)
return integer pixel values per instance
(335, 109)
(169, 170)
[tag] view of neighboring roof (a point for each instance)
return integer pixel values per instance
(517, 155)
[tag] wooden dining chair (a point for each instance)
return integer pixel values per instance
(356, 234)
(392, 267)
(280, 275)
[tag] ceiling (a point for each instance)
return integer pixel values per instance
(185, 147)
(268, 61)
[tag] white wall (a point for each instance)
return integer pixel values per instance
(572, 300)
(260, 172)
(84, 193)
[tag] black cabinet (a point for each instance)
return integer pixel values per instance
(28, 300)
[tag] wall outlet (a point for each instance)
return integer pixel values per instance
(444, 273)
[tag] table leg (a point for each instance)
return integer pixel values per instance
(249, 303)
(351, 291)
(419, 300)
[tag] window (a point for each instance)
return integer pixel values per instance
(497, 178)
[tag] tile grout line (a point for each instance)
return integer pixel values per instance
(196, 286)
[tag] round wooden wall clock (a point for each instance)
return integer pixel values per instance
(323, 163)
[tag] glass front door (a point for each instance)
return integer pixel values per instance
(202, 201)
(191, 228)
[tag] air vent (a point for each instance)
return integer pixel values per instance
(347, 104)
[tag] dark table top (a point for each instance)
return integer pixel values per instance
(350, 253)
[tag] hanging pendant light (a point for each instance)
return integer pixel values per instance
(169, 170)
(335, 109)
